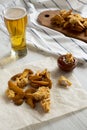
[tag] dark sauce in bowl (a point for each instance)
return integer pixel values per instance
(64, 65)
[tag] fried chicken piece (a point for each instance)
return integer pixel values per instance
(31, 102)
(35, 77)
(76, 21)
(12, 86)
(22, 82)
(85, 23)
(18, 100)
(15, 93)
(45, 103)
(22, 78)
(29, 97)
(37, 84)
(41, 79)
(63, 81)
(41, 93)
(65, 13)
(57, 20)
(10, 93)
(29, 92)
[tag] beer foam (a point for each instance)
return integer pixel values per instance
(15, 13)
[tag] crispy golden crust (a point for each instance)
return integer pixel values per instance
(15, 88)
(18, 100)
(41, 93)
(45, 103)
(10, 93)
(21, 79)
(30, 90)
(31, 102)
(41, 79)
(63, 81)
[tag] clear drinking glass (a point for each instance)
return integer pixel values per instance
(15, 19)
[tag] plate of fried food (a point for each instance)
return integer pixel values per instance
(65, 21)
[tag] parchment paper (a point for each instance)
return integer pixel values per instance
(63, 100)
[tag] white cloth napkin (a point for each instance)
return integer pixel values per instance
(47, 39)
(63, 100)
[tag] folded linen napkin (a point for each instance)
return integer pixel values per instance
(47, 39)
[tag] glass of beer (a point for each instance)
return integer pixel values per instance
(15, 19)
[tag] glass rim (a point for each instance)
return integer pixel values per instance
(17, 7)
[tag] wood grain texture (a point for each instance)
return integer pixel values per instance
(44, 18)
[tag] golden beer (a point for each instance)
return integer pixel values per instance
(16, 21)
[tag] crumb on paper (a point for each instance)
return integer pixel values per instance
(63, 81)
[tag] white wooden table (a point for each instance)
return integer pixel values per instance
(73, 121)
